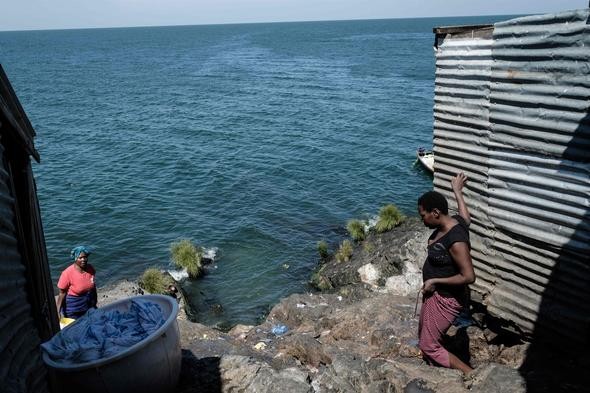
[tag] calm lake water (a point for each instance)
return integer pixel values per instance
(256, 140)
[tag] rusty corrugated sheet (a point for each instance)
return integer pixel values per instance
(461, 124)
(21, 368)
(525, 143)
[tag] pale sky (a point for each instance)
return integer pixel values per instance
(65, 14)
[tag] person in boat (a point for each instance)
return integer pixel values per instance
(77, 287)
(447, 272)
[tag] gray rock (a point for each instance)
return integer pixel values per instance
(305, 349)
(496, 378)
(369, 274)
(245, 374)
(418, 386)
(380, 387)
(117, 291)
(388, 253)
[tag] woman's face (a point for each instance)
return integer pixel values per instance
(82, 260)
(430, 219)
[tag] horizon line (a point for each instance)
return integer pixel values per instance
(266, 22)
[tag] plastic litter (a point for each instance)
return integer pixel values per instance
(463, 319)
(279, 330)
(260, 346)
(63, 322)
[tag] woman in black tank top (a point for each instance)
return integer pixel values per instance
(447, 272)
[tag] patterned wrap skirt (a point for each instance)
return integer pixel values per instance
(436, 316)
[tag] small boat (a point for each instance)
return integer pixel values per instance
(426, 158)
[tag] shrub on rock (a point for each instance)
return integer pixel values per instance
(319, 281)
(344, 251)
(389, 218)
(154, 281)
(356, 230)
(186, 255)
(323, 250)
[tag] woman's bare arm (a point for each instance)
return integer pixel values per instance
(460, 253)
(60, 300)
(457, 184)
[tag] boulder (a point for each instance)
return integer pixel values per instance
(369, 274)
(306, 349)
(496, 378)
(408, 284)
(117, 291)
(389, 254)
(240, 331)
(245, 374)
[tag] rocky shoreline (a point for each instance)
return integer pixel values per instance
(356, 335)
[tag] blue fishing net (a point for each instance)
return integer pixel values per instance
(100, 334)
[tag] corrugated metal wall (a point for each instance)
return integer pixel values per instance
(525, 143)
(21, 367)
(461, 129)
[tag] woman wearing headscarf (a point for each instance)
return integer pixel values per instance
(77, 288)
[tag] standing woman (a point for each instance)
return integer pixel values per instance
(77, 289)
(447, 272)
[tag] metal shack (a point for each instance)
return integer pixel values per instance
(511, 109)
(27, 308)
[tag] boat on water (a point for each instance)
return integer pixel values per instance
(426, 158)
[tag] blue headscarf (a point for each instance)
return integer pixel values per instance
(76, 251)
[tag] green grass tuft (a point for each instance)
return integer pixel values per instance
(186, 255)
(323, 250)
(368, 247)
(154, 281)
(319, 281)
(356, 230)
(389, 218)
(344, 251)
